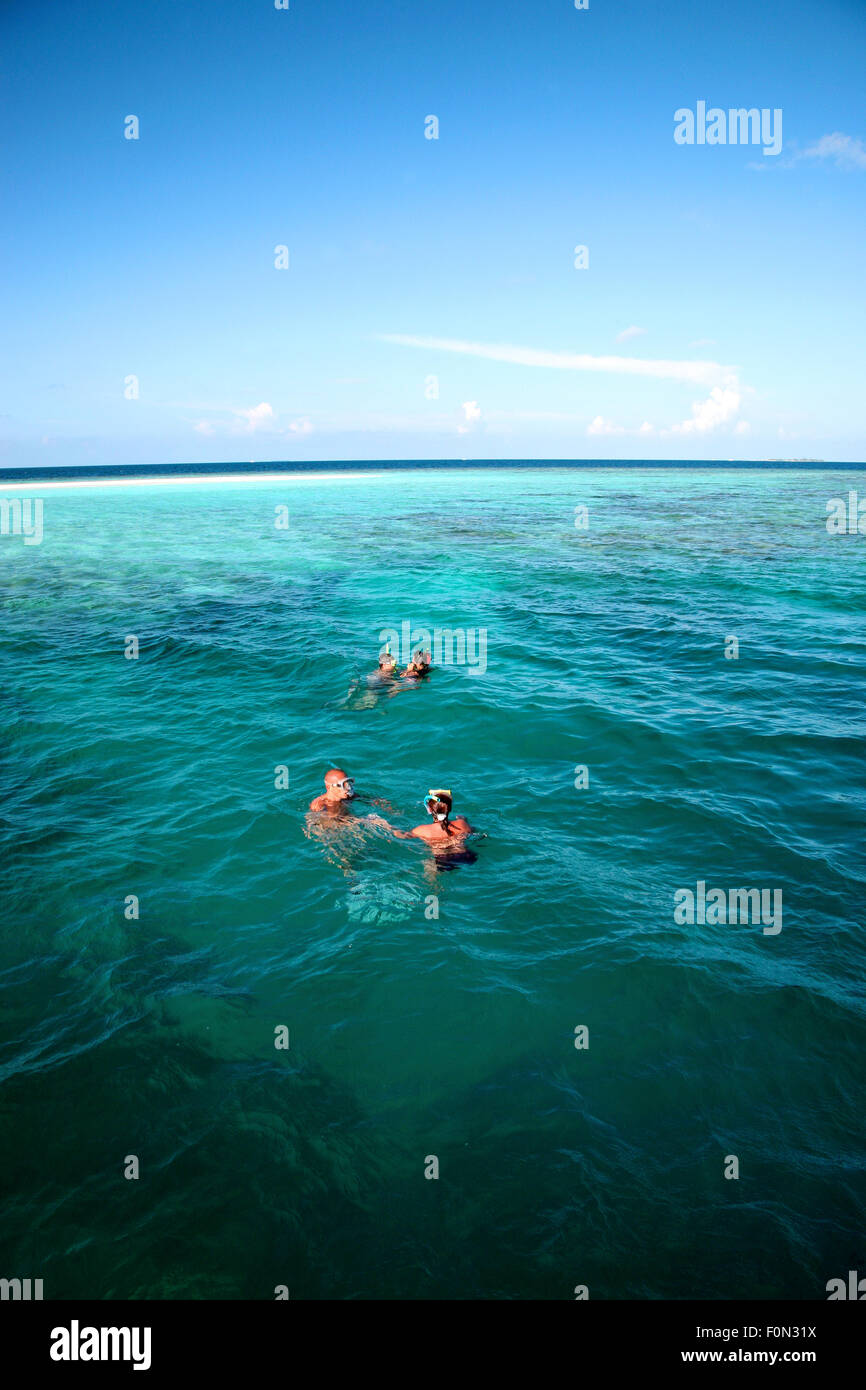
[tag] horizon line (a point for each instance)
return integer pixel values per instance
(270, 470)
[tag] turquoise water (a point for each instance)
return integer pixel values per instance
(413, 1036)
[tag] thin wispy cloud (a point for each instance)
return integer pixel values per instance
(703, 373)
(631, 332)
(845, 151)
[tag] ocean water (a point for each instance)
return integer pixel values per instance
(411, 1035)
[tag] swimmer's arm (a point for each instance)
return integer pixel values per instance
(403, 834)
(419, 832)
(374, 819)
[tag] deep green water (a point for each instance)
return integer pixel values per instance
(452, 1037)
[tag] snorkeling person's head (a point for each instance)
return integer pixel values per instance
(338, 786)
(387, 663)
(437, 803)
(419, 665)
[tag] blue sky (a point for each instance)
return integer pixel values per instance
(431, 307)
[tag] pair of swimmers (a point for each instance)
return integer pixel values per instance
(418, 667)
(442, 834)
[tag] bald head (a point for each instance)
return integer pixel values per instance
(338, 787)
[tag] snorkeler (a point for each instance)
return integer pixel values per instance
(338, 790)
(387, 669)
(419, 666)
(444, 832)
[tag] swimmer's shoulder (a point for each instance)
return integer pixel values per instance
(423, 832)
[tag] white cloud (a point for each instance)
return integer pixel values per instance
(256, 416)
(631, 332)
(743, 427)
(702, 373)
(471, 410)
(845, 150)
(249, 420)
(718, 409)
(601, 426)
